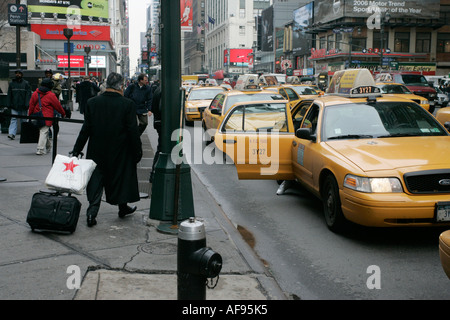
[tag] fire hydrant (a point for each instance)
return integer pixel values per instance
(195, 262)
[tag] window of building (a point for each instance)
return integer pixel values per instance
(242, 30)
(242, 13)
(443, 42)
(401, 42)
(423, 42)
(339, 41)
(377, 40)
(323, 43)
(358, 44)
(330, 42)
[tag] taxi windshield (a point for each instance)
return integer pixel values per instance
(204, 94)
(378, 120)
(395, 89)
(232, 99)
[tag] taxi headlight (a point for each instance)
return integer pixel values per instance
(372, 185)
(424, 102)
(191, 109)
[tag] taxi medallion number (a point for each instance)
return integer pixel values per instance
(443, 212)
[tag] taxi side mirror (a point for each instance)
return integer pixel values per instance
(444, 251)
(216, 111)
(305, 133)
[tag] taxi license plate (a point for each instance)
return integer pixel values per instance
(442, 212)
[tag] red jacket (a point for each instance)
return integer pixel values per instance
(49, 103)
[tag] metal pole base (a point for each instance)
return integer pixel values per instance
(167, 228)
(162, 206)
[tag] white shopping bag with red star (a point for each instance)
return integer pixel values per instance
(70, 174)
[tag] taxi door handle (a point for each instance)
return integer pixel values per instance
(229, 141)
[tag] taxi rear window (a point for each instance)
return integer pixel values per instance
(251, 97)
(379, 120)
(260, 117)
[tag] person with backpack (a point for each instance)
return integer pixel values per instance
(44, 99)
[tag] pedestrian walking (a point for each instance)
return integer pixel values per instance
(19, 93)
(87, 89)
(114, 145)
(141, 94)
(156, 110)
(44, 99)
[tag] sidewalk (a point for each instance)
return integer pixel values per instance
(119, 259)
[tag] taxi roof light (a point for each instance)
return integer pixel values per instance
(354, 83)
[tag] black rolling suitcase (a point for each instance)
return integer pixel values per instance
(54, 211)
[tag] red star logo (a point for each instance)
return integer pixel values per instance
(70, 166)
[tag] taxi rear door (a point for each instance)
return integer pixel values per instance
(258, 137)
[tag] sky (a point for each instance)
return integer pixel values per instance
(137, 25)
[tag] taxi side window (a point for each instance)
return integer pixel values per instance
(283, 93)
(310, 120)
(217, 102)
(261, 117)
(297, 117)
(291, 94)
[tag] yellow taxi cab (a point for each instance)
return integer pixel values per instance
(288, 93)
(373, 160)
(197, 100)
(222, 102)
(400, 90)
(443, 116)
(444, 251)
(304, 91)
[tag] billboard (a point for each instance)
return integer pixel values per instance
(92, 8)
(303, 18)
(186, 15)
(267, 29)
(237, 57)
(56, 32)
(425, 9)
(328, 10)
(75, 61)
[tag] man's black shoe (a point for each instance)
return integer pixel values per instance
(91, 221)
(126, 211)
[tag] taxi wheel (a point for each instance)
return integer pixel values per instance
(334, 217)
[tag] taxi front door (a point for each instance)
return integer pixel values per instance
(258, 137)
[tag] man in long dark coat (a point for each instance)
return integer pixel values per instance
(114, 145)
(86, 90)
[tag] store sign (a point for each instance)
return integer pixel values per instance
(56, 32)
(98, 62)
(75, 61)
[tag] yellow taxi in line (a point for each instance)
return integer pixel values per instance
(373, 160)
(304, 91)
(223, 101)
(443, 116)
(401, 91)
(197, 100)
(288, 93)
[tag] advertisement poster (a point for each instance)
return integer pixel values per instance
(267, 29)
(237, 57)
(303, 18)
(86, 8)
(186, 15)
(75, 61)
